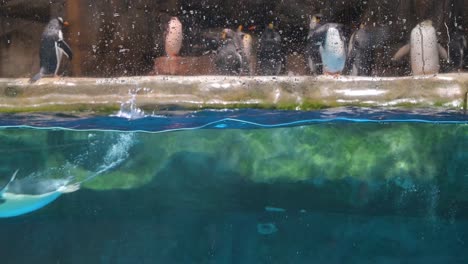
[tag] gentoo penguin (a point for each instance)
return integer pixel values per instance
(314, 61)
(362, 47)
(19, 197)
(269, 56)
(332, 47)
(173, 37)
(244, 42)
(425, 52)
(52, 48)
(229, 59)
(248, 66)
(458, 48)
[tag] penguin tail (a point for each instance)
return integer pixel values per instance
(36, 77)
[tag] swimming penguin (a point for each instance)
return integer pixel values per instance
(425, 52)
(229, 58)
(19, 197)
(314, 61)
(52, 48)
(173, 37)
(458, 48)
(332, 47)
(269, 56)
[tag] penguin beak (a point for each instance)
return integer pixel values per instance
(66, 24)
(252, 28)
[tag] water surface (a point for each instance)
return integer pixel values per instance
(247, 186)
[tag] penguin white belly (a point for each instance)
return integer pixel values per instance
(424, 52)
(173, 41)
(333, 52)
(58, 53)
(19, 204)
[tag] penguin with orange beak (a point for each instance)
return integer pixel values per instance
(229, 58)
(52, 48)
(270, 57)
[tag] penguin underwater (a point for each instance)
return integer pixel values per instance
(52, 48)
(332, 47)
(270, 59)
(22, 196)
(424, 50)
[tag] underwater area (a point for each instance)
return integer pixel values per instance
(235, 186)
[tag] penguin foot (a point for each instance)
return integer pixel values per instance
(332, 74)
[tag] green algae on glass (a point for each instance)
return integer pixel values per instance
(398, 152)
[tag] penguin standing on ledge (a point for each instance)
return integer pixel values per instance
(332, 47)
(312, 50)
(458, 47)
(424, 50)
(52, 48)
(229, 58)
(270, 58)
(173, 37)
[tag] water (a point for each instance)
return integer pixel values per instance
(245, 186)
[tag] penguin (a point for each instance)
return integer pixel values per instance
(52, 48)
(229, 59)
(244, 43)
(424, 50)
(19, 197)
(332, 46)
(314, 61)
(248, 65)
(173, 37)
(269, 56)
(362, 48)
(458, 48)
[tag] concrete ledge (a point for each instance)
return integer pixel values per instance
(200, 92)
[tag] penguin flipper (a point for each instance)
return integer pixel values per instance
(442, 52)
(65, 48)
(403, 51)
(13, 177)
(351, 43)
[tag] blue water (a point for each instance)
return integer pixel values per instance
(348, 185)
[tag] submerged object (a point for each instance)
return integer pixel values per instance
(23, 196)
(229, 59)
(173, 37)
(52, 48)
(269, 56)
(425, 52)
(266, 228)
(314, 61)
(332, 47)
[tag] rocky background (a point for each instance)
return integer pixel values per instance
(123, 37)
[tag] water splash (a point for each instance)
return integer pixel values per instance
(116, 154)
(129, 109)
